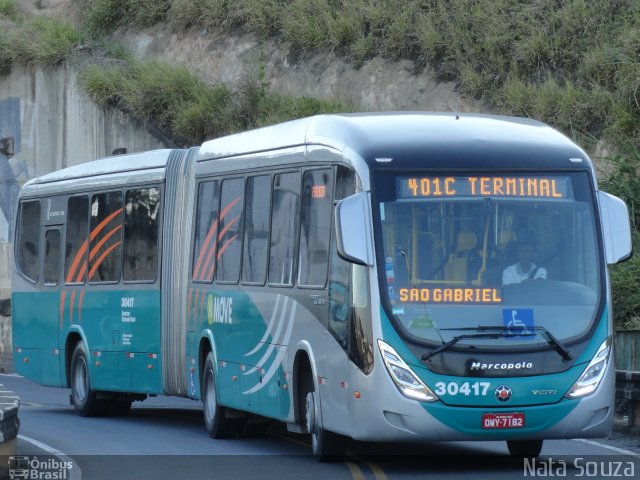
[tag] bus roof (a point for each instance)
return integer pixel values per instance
(445, 140)
(153, 159)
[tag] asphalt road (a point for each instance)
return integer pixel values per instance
(165, 438)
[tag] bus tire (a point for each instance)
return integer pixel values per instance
(325, 445)
(524, 448)
(83, 397)
(215, 420)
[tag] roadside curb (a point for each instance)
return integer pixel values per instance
(9, 426)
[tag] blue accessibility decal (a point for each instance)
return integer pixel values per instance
(518, 321)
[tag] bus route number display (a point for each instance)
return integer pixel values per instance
(484, 186)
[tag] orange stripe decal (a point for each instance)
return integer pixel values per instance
(63, 297)
(228, 226)
(104, 240)
(210, 234)
(227, 243)
(103, 224)
(71, 304)
(101, 259)
(76, 261)
(223, 213)
(80, 306)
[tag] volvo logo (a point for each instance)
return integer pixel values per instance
(503, 393)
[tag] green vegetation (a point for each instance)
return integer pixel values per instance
(8, 9)
(41, 41)
(190, 111)
(183, 107)
(572, 63)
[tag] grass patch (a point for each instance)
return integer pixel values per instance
(40, 41)
(8, 9)
(574, 64)
(190, 111)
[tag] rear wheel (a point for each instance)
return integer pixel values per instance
(326, 446)
(524, 448)
(215, 419)
(83, 397)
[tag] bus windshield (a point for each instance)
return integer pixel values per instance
(516, 255)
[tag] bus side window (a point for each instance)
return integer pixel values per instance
(315, 221)
(230, 236)
(28, 251)
(105, 239)
(256, 232)
(284, 219)
(52, 257)
(142, 207)
(206, 232)
(76, 240)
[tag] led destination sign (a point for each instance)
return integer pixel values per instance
(511, 186)
(450, 295)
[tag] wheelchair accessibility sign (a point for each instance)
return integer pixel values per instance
(518, 321)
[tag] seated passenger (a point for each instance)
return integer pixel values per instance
(524, 269)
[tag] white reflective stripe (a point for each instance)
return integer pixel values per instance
(279, 357)
(274, 340)
(269, 328)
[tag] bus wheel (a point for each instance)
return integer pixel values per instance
(326, 446)
(524, 448)
(84, 398)
(215, 419)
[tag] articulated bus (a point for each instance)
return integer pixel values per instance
(384, 277)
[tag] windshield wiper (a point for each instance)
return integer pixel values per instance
(456, 339)
(505, 332)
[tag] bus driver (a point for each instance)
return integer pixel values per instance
(524, 269)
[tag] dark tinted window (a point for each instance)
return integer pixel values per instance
(76, 247)
(230, 236)
(206, 234)
(29, 239)
(52, 257)
(105, 253)
(141, 216)
(286, 193)
(256, 233)
(315, 221)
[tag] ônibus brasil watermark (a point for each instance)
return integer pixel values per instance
(24, 467)
(579, 467)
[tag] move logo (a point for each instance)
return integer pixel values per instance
(219, 309)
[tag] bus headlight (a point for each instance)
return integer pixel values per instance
(407, 382)
(592, 375)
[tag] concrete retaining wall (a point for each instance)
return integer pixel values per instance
(48, 123)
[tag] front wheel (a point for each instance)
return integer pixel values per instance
(83, 397)
(326, 446)
(524, 448)
(215, 419)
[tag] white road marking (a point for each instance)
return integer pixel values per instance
(75, 473)
(607, 447)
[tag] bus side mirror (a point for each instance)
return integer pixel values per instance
(616, 229)
(353, 229)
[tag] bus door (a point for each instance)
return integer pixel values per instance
(52, 360)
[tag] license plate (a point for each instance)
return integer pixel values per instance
(502, 420)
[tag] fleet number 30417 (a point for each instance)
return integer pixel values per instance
(466, 388)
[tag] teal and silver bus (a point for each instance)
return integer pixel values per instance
(384, 277)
